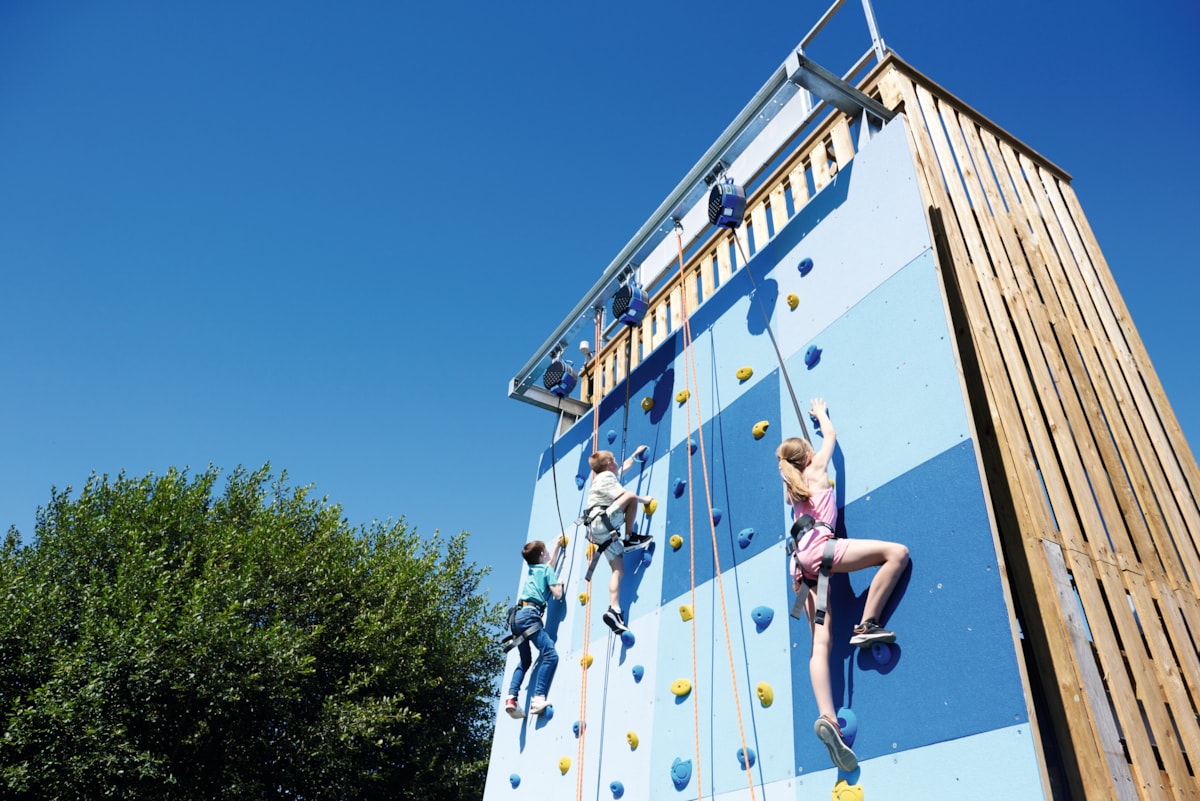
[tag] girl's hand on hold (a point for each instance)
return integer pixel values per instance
(818, 406)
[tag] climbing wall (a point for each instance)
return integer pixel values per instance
(716, 672)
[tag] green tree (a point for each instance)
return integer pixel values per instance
(158, 641)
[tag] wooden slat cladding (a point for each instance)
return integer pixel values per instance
(1092, 481)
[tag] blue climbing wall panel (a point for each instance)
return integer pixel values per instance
(945, 707)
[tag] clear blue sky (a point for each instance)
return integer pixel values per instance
(326, 235)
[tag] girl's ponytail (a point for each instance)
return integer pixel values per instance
(794, 456)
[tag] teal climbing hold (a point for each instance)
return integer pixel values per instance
(627, 639)
(812, 356)
(679, 487)
(580, 481)
(692, 445)
(617, 788)
(762, 617)
(612, 436)
(717, 514)
(681, 773)
(514, 780)
(638, 672)
(575, 728)
(743, 756)
(548, 712)
(744, 537)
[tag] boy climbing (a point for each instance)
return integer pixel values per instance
(818, 551)
(541, 583)
(609, 506)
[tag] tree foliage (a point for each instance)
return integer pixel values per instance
(160, 641)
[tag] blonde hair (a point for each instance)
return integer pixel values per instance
(794, 455)
(599, 460)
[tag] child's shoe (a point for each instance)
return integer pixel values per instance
(615, 621)
(636, 540)
(870, 632)
(510, 706)
(537, 704)
(830, 733)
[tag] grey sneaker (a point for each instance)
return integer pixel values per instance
(634, 541)
(830, 733)
(870, 632)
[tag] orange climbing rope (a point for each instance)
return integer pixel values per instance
(689, 357)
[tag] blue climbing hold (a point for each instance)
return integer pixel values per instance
(812, 355)
(762, 617)
(717, 515)
(692, 445)
(647, 558)
(514, 780)
(612, 436)
(848, 722)
(627, 639)
(638, 672)
(742, 757)
(575, 728)
(744, 537)
(548, 712)
(580, 481)
(679, 487)
(882, 653)
(681, 773)
(805, 266)
(617, 788)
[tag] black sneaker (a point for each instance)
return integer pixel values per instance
(634, 541)
(829, 733)
(869, 632)
(615, 621)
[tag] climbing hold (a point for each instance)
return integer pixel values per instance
(591, 549)
(726, 204)
(682, 395)
(744, 373)
(744, 537)
(586, 661)
(565, 540)
(632, 739)
(685, 612)
(760, 428)
(676, 541)
(681, 773)
(647, 403)
(564, 764)
(881, 652)
(692, 445)
(681, 687)
(514, 780)
(679, 487)
(580, 481)
(583, 596)
(793, 300)
(638, 672)
(844, 791)
(612, 436)
(805, 266)
(746, 756)
(627, 639)
(812, 355)
(647, 558)
(640, 455)
(848, 723)
(575, 728)
(650, 506)
(716, 515)
(766, 696)
(548, 712)
(617, 788)
(762, 617)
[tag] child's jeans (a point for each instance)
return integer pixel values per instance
(547, 661)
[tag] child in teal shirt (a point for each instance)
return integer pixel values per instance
(540, 585)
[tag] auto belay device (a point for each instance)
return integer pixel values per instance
(726, 204)
(630, 303)
(559, 378)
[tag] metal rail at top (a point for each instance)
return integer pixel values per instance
(784, 86)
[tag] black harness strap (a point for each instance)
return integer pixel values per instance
(803, 525)
(513, 640)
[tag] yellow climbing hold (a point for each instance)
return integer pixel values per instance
(591, 549)
(583, 597)
(744, 372)
(564, 764)
(651, 506)
(681, 687)
(647, 404)
(682, 395)
(760, 428)
(844, 791)
(685, 611)
(676, 541)
(632, 739)
(766, 696)
(793, 300)
(586, 661)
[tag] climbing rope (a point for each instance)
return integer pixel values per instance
(690, 374)
(771, 333)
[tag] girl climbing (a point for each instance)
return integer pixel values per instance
(807, 488)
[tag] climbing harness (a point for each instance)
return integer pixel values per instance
(802, 526)
(511, 641)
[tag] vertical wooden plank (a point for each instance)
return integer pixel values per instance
(676, 307)
(779, 215)
(724, 267)
(758, 218)
(707, 265)
(820, 165)
(843, 145)
(798, 180)
(692, 293)
(635, 346)
(661, 328)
